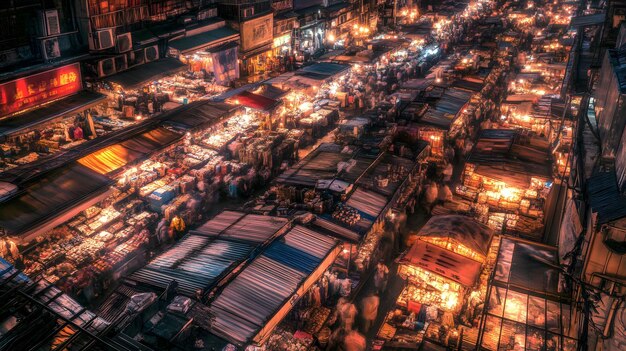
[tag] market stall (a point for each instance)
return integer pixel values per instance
(42, 204)
(441, 270)
(44, 114)
(287, 269)
(132, 150)
(207, 255)
(508, 176)
(156, 86)
(210, 48)
(526, 307)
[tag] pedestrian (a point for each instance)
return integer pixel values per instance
(161, 232)
(369, 311)
(347, 314)
(381, 277)
(354, 341)
(336, 340)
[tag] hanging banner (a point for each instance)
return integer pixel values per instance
(40, 88)
(225, 66)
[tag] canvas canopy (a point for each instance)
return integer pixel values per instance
(460, 229)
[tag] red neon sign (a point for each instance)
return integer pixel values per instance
(37, 89)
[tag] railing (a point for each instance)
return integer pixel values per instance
(120, 17)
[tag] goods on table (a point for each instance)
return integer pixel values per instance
(315, 319)
(284, 340)
(347, 214)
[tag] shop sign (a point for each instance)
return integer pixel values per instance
(40, 88)
(257, 32)
(282, 40)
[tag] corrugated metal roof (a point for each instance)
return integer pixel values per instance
(605, 197)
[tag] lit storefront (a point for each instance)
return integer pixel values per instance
(213, 51)
(45, 113)
(256, 45)
(284, 25)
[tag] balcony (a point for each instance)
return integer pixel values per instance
(120, 17)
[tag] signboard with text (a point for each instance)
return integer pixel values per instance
(257, 32)
(40, 88)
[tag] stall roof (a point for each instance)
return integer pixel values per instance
(59, 108)
(148, 72)
(233, 225)
(43, 317)
(605, 197)
(116, 156)
(53, 195)
(252, 304)
(588, 20)
(462, 229)
(196, 262)
(255, 101)
(529, 266)
(270, 91)
(204, 40)
(467, 84)
(323, 69)
(505, 155)
(446, 263)
(199, 114)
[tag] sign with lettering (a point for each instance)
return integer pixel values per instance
(39, 88)
(257, 32)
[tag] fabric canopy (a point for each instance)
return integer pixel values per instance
(462, 229)
(114, 157)
(255, 101)
(50, 196)
(146, 73)
(72, 104)
(443, 262)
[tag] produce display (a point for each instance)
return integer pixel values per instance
(347, 215)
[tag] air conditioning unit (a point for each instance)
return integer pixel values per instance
(104, 39)
(50, 48)
(106, 67)
(136, 57)
(248, 12)
(151, 53)
(124, 43)
(121, 63)
(50, 22)
(207, 13)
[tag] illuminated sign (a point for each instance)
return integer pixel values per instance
(40, 88)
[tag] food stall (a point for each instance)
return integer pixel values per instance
(441, 270)
(526, 307)
(508, 177)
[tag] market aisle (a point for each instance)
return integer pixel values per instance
(387, 301)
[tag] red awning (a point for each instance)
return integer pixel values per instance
(255, 101)
(443, 262)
